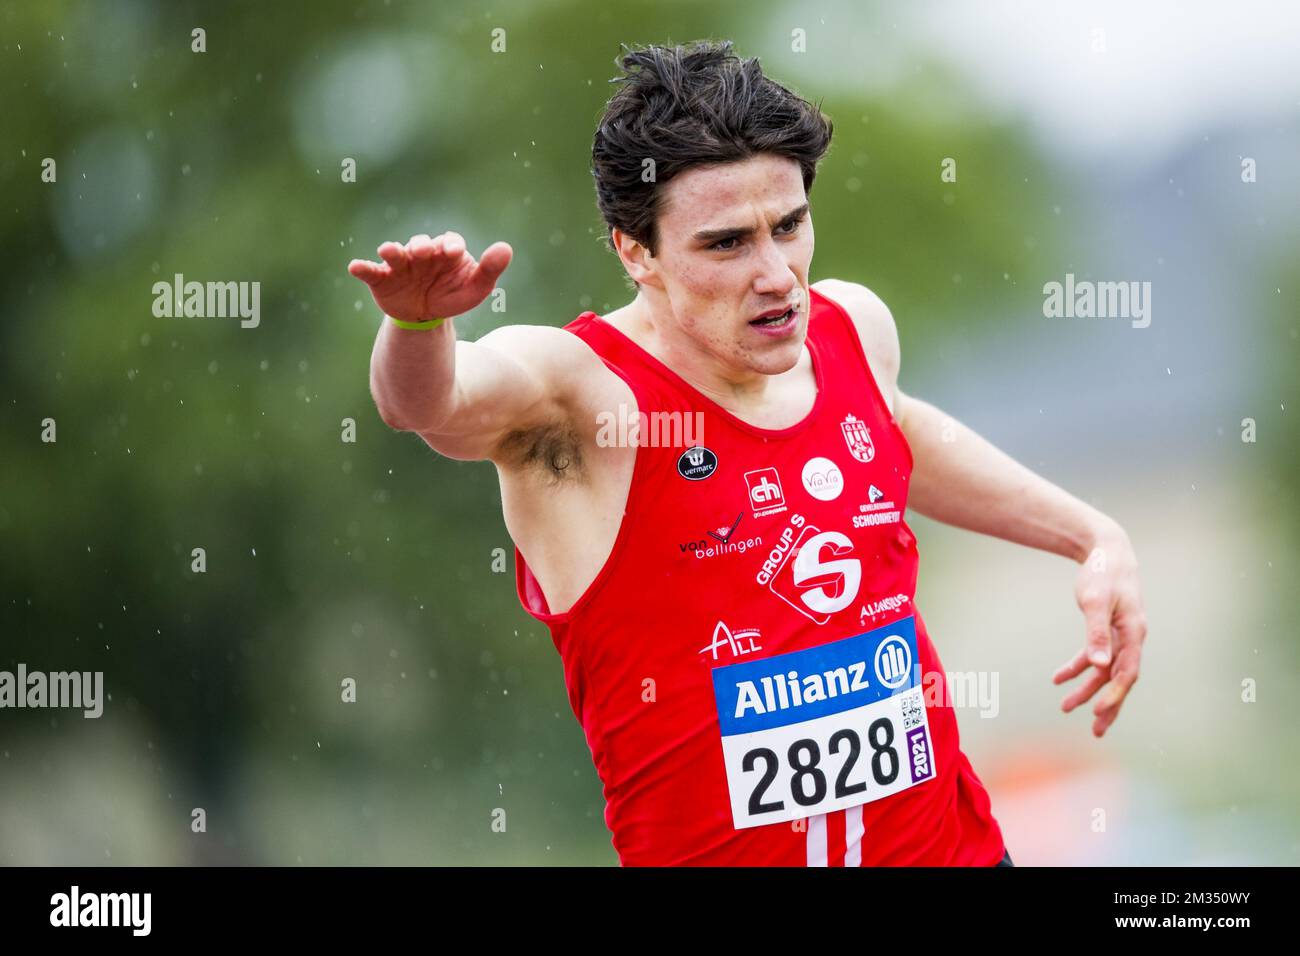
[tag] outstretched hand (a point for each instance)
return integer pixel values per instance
(431, 278)
(1110, 597)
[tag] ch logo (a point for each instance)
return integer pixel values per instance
(765, 494)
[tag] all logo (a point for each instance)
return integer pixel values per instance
(765, 494)
(812, 570)
(739, 642)
(822, 479)
(858, 437)
(697, 463)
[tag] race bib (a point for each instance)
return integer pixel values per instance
(825, 728)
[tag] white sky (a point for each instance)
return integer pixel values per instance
(1169, 71)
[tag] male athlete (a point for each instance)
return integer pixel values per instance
(706, 490)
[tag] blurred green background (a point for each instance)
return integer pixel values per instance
(1114, 160)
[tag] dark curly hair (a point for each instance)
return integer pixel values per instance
(685, 106)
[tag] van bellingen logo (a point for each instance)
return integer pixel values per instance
(59, 689)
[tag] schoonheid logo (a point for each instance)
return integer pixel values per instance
(879, 511)
(812, 571)
(697, 463)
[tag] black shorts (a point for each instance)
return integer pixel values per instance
(1006, 859)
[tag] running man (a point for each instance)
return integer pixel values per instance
(706, 490)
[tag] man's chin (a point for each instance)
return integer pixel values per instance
(774, 358)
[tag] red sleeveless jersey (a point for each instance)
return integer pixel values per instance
(749, 667)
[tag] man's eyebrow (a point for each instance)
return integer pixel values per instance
(739, 232)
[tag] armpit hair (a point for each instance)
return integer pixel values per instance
(555, 450)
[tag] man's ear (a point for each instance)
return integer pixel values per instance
(636, 258)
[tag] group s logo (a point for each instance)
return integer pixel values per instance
(813, 573)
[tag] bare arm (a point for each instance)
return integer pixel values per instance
(961, 479)
(462, 398)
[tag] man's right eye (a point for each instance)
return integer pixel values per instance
(719, 247)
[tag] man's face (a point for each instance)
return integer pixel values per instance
(736, 241)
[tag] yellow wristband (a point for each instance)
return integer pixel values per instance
(429, 324)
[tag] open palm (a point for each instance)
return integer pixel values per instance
(431, 278)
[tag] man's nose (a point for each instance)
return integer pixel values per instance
(775, 276)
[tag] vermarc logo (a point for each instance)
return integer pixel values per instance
(697, 463)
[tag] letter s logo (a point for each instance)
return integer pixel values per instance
(811, 572)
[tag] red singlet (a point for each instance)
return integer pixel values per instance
(749, 667)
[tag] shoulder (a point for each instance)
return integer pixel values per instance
(560, 361)
(876, 328)
(543, 345)
(567, 381)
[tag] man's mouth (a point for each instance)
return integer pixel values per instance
(774, 321)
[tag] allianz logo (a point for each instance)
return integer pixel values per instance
(784, 691)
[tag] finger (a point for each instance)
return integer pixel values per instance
(1124, 676)
(1131, 624)
(368, 272)
(1073, 668)
(1082, 693)
(453, 244)
(1130, 632)
(1096, 607)
(1105, 716)
(393, 253)
(421, 247)
(1109, 699)
(494, 260)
